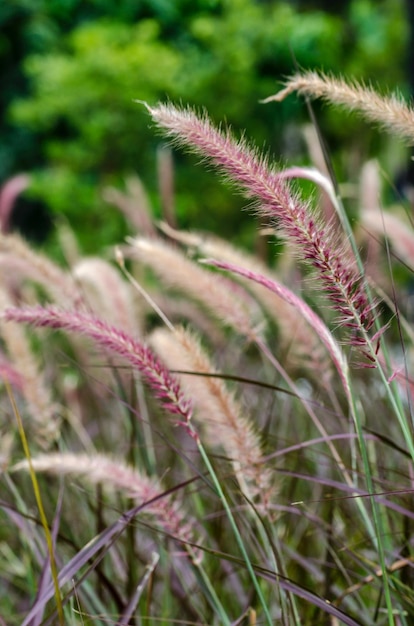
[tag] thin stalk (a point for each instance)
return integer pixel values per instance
(278, 565)
(377, 518)
(38, 497)
(234, 527)
(265, 350)
(391, 388)
(376, 530)
(214, 599)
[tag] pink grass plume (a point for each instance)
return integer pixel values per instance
(315, 243)
(115, 475)
(307, 313)
(163, 384)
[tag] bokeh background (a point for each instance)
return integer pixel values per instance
(72, 70)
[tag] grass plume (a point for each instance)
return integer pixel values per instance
(217, 412)
(163, 384)
(316, 244)
(115, 475)
(391, 112)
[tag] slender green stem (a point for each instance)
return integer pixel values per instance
(39, 503)
(377, 519)
(214, 599)
(235, 529)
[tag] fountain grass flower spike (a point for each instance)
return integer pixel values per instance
(316, 243)
(390, 112)
(114, 474)
(163, 384)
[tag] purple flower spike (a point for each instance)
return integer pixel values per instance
(308, 315)
(316, 243)
(164, 385)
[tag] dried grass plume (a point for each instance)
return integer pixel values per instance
(391, 112)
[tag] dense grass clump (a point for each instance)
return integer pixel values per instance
(208, 439)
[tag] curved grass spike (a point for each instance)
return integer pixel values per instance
(301, 347)
(113, 473)
(221, 417)
(299, 305)
(391, 112)
(163, 384)
(317, 244)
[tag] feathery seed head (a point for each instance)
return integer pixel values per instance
(163, 384)
(113, 473)
(220, 415)
(391, 112)
(315, 242)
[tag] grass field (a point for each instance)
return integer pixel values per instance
(192, 436)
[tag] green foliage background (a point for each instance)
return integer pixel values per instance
(71, 72)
